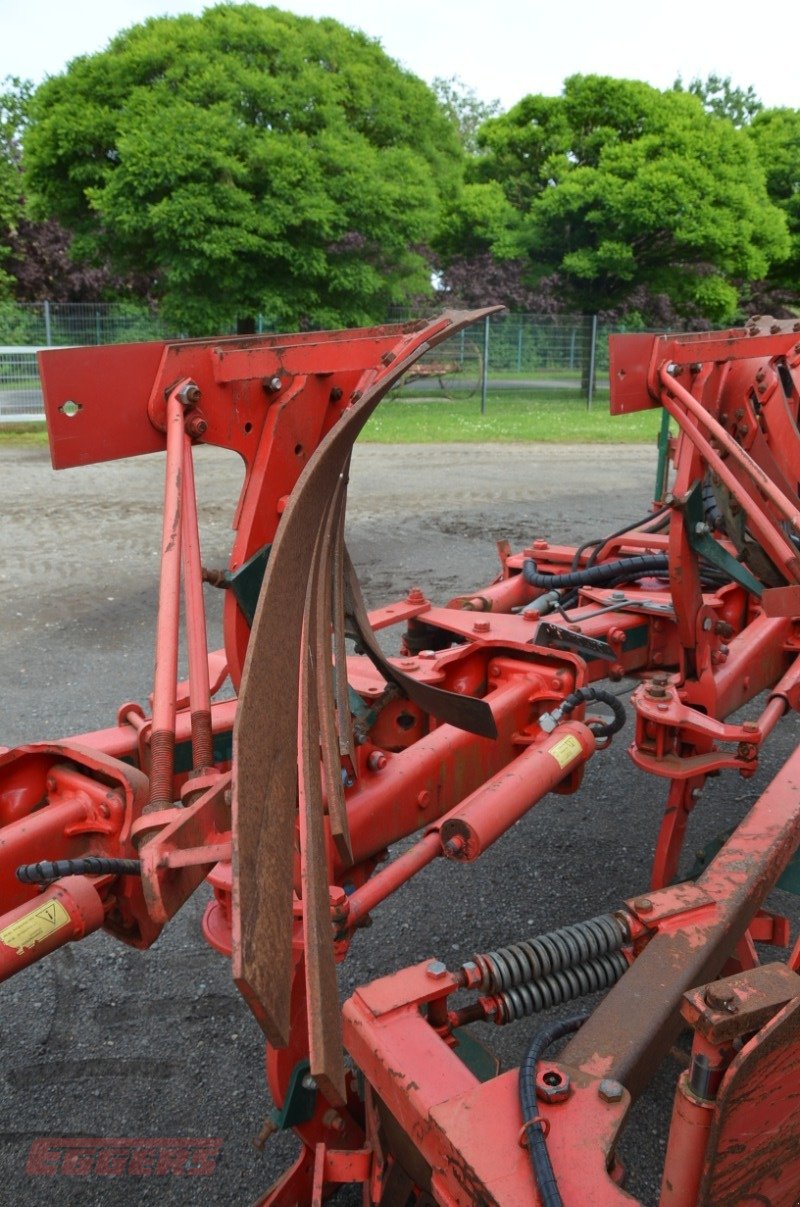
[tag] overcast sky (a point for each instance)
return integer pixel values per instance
(502, 48)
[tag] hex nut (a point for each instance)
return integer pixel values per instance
(553, 1086)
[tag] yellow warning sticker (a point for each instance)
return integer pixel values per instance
(35, 927)
(566, 751)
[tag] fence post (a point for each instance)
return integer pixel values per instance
(519, 345)
(592, 362)
(48, 330)
(485, 367)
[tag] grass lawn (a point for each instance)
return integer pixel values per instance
(552, 418)
(23, 433)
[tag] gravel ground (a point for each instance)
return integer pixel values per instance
(102, 1041)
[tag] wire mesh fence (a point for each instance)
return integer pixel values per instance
(509, 352)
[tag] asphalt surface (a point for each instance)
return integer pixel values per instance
(104, 1042)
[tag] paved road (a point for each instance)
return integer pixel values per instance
(105, 1042)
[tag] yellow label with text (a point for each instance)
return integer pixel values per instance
(566, 751)
(35, 927)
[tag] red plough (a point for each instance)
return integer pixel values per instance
(288, 797)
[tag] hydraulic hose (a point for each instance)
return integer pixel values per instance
(583, 695)
(543, 1174)
(622, 570)
(90, 865)
(652, 522)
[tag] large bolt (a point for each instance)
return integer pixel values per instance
(721, 997)
(269, 1129)
(436, 969)
(610, 1091)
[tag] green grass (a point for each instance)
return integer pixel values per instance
(23, 433)
(550, 420)
(560, 418)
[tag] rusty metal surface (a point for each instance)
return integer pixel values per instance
(324, 1017)
(465, 712)
(676, 960)
(753, 1153)
(740, 1004)
(265, 737)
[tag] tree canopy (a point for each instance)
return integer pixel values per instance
(248, 161)
(623, 191)
(15, 97)
(252, 161)
(775, 134)
(722, 98)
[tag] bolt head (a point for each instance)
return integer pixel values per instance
(436, 969)
(643, 905)
(610, 1091)
(721, 997)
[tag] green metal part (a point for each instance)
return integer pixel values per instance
(702, 542)
(300, 1101)
(479, 1060)
(246, 581)
(662, 466)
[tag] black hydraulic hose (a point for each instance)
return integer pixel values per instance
(90, 865)
(583, 695)
(640, 525)
(622, 570)
(543, 1174)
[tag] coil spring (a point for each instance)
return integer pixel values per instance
(550, 953)
(559, 987)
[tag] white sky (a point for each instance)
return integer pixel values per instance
(504, 49)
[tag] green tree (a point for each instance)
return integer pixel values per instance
(723, 99)
(464, 108)
(623, 190)
(249, 161)
(775, 134)
(15, 97)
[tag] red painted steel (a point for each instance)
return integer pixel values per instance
(70, 909)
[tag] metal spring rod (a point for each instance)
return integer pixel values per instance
(559, 987)
(550, 953)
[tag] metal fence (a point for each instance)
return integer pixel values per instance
(523, 352)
